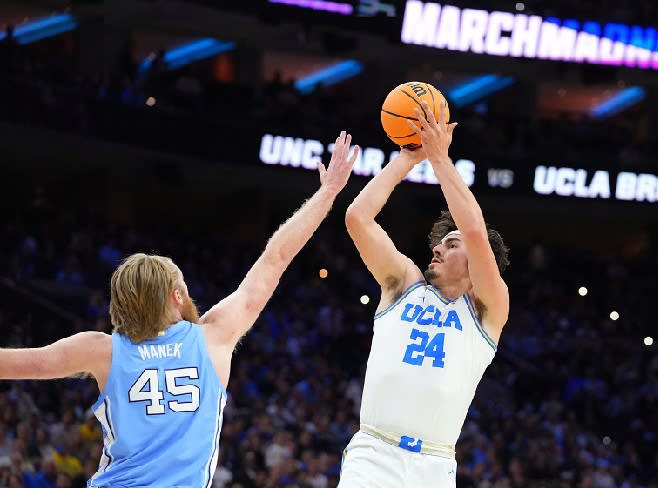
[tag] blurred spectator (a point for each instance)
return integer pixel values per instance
(8, 50)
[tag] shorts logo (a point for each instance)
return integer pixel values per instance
(411, 444)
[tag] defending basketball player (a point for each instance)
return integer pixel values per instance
(435, 332)
(162, 377)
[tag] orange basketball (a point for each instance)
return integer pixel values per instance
(399, 107)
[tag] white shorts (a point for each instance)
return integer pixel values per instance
(369, 462)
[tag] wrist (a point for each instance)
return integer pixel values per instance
(329, 191)
(406, 161)
(440, 160)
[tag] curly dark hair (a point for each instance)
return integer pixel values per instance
(446, 224)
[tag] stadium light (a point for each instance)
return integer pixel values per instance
(328, 76)
(477, 88)
(333, 7)
(43, 28)
(189, 53)
(619, 102)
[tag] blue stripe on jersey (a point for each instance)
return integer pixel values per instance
(212, 462)
(402, 297)
(111, 438)
(102, 412)
(438, 294)
(478, 324)
(108, 412)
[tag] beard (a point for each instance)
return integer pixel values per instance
(189, 311)
(430, 275)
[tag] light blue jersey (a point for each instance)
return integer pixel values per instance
(161, 412)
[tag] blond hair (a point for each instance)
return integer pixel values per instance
(139, 296)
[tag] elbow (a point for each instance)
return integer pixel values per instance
(282, 257)
(259, 296)
(475, 233)
(276, 255)
(354, 217)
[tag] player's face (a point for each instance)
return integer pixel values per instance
(449, 260)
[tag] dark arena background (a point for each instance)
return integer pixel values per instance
(191, 129)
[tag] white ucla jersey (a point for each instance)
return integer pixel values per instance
(427, 357)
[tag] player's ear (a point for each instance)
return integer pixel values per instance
(177, 297)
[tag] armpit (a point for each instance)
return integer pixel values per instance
(480, 308)
(392, 285)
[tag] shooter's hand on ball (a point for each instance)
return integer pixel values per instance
(413, 155)
(435, 136)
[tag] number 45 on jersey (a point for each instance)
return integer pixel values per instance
(147, 389)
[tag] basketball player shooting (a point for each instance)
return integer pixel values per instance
(162, 377)
(435, 332)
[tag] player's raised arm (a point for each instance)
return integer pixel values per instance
(79, 353)
(488, 285)
(392, 269)
(231, 318)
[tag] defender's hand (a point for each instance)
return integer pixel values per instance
(335, 177)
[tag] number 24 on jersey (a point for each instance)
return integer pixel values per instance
(423, 347)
